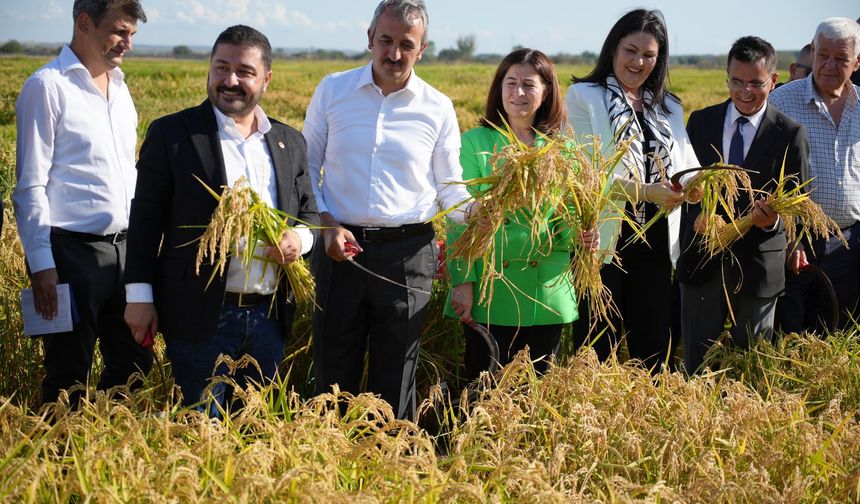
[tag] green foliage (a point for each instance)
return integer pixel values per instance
(11, 47)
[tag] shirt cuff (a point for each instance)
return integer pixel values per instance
(138, 293)
(40, 260)
(306, 237)
(775, 224)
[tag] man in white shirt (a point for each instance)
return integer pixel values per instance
(383, 147)
(224, 138)
(77, 130)
(827, 104)
(746, 280)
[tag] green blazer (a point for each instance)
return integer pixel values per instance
(540, 275)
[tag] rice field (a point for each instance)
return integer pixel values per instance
(779, 423)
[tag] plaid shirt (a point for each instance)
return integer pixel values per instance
(834, 153)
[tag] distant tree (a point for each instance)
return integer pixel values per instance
(449, 54)
(430, 51)
(11, 47)
(517, 47)
(182, 51)
(466, 46)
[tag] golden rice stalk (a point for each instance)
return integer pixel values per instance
(720, 191)
(592, 201)
(241, 217)
(529, 180)
(794, 206)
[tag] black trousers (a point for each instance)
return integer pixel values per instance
(94, 272)
(360, 314)
(543, 341)
(645, 297)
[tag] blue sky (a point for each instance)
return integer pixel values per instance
(550, 25)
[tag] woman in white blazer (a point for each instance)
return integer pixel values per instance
(625, 96)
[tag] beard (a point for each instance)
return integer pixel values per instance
(234, 101)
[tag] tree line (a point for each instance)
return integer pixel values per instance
(464, 50)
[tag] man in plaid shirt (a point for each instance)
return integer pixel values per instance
(826, 103)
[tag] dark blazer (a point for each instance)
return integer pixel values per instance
(759, 255)
(170, 204)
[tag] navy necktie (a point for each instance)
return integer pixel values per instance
(736, 147)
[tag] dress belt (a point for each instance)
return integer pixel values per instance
(88, 237)
(384, 234)
(250, 299)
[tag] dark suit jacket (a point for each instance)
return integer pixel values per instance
(168, 199)
(760, 255)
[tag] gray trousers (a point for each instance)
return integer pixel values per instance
(704, 309)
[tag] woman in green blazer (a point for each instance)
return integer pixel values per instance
(536, 299)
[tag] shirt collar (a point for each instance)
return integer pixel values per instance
(754, 119)
(69, 61)
(810, 94)
(366, 79)
(226, 124)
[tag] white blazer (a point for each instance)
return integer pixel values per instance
(588, 114)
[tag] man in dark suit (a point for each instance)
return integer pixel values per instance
(219, 141)
(746, 280)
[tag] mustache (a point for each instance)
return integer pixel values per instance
(235, 89)
(392, 62)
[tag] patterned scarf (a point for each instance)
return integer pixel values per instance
(622, 117)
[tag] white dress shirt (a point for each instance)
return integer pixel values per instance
(75, 159)
(834, 152)
(749, 129)
(379, 160)
(249, 158)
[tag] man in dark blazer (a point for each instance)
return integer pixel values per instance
(226, 137)
(746, 280)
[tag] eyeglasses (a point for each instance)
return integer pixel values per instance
(739, 84)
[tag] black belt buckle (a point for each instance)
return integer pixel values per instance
(372, 234)
(246, 300)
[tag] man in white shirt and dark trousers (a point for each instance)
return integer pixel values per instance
(77, 131)
(226, 137)
(827, 104)
(383, 148)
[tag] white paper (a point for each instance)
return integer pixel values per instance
(35, 325)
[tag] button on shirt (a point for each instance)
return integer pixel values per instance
(834, 153)
(383, 160)
(75, 155)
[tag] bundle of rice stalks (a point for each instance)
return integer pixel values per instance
(529, 180)
(795, 207)
(591, 200)
(721, 185)
(243, 219)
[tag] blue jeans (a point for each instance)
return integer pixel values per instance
(241, 331)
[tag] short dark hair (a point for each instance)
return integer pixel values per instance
(805, 51)
(96, 9)
(636, 21)
(245, 36)
(550, 116)
(753, 49)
